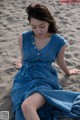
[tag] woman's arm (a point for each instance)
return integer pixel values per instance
(18, 63)
(20, 44)
(61, 62)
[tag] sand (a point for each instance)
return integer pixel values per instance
(13, 20)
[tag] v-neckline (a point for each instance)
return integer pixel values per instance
(44, 45)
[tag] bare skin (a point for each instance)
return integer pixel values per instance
(62, 64)
(31, 105)
(17, 64)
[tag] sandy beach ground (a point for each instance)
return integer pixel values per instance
(13, 20)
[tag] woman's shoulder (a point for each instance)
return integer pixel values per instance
(27, 33)
(59, 38)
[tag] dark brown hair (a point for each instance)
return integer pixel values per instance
(41, 12)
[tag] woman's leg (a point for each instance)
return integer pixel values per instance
(31, 105)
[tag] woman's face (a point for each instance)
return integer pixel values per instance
(39, 27)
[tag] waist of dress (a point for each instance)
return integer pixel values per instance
(43, 64)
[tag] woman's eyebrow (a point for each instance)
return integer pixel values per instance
(41, 24)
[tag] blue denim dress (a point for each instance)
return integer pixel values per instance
(38, 75)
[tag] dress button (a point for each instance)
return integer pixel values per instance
(38, 53)
(35, 47)
(32, 42)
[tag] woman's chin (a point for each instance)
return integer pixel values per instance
(40, 36)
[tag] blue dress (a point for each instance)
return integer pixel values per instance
(38, 75)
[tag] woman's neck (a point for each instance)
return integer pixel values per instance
(47, 35)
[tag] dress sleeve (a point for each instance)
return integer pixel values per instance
(25, 38)
(61, 41)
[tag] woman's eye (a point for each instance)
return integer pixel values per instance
(42, 26)
(33, 28)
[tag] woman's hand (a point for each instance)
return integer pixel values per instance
(74, 71)
(17, 64)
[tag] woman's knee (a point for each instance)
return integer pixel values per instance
(27, 106)
(35, 101)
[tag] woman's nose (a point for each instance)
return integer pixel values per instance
(38, 30)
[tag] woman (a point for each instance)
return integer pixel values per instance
(36, 93)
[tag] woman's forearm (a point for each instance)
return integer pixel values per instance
(61, 62)
(63, 66)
